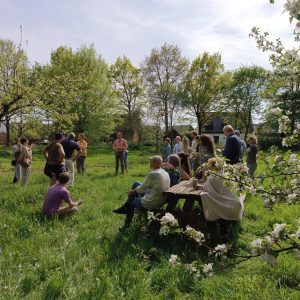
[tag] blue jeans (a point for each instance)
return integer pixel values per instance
(134, 201)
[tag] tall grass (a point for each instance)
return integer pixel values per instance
(84, 256)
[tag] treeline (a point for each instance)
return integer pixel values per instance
(78, 91)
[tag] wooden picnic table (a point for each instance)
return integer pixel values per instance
(184, 190)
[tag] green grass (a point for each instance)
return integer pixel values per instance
(84, 256)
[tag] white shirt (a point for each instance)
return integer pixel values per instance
(155, 184)
(194, 145)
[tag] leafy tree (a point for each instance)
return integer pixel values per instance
(163, 72)
(14, 82)
(128, 84)
(91, 109)
(246, 93)
(203, 86)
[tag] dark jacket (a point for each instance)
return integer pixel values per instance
(232, 149)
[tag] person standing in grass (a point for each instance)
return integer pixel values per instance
(243, 144)
(166, 149)
(125, 156)
(25, 161)
(177, 147)
(147, 195)
(70, 146)
(120, 145)
(251, 155)
(55, 159)
(194, 144)
(80, 161)
(58, 193)
(15, 161)
(232, 149)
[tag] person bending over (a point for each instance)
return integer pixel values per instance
(55, 196)
(147, 195)
(55, 158)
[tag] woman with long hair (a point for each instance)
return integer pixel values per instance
(184, 156)
(251, 155)
(205, 148)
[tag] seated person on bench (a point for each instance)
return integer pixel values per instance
(172, 167)
(147, 195)
(220, 203)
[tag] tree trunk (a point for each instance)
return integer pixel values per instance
(199, 120)
(7, 125)
(166, 115)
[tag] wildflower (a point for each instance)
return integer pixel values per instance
(190, 268)
(297, 234)
(220, 250)
(168, 219)
(291, 197)
(173, 260)
(208, 269)
(197, 236)
(277, 229)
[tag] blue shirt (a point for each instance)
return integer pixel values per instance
(232, 149)
(69, 147)
(177, 148)
(166, 151)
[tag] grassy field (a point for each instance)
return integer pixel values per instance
(84, 256)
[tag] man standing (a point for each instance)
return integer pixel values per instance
(55, 159)
(120, 145)
(147, 195)
(243, 144)
(232, 149)
(70, 146)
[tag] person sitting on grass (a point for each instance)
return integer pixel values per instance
(55, 196)
(147, 195)
(172, 167)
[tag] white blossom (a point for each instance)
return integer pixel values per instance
(277, 229)
(168, 219)
(208, 269)
(173, 260)
(197, 236)
(190, 268)
(220, 250)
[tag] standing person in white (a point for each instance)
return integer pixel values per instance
(15, 161)
(70, 146)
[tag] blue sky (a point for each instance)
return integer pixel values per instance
(134, 27)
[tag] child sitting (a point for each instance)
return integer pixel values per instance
(58, 193)
(172, 167)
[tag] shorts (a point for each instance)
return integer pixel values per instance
(56, 169)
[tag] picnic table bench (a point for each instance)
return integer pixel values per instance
(184, 190)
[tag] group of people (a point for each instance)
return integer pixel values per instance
(219, 202)
(60, 155)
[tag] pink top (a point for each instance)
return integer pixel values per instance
(120, 145)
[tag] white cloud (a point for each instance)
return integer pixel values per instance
(133, 27)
